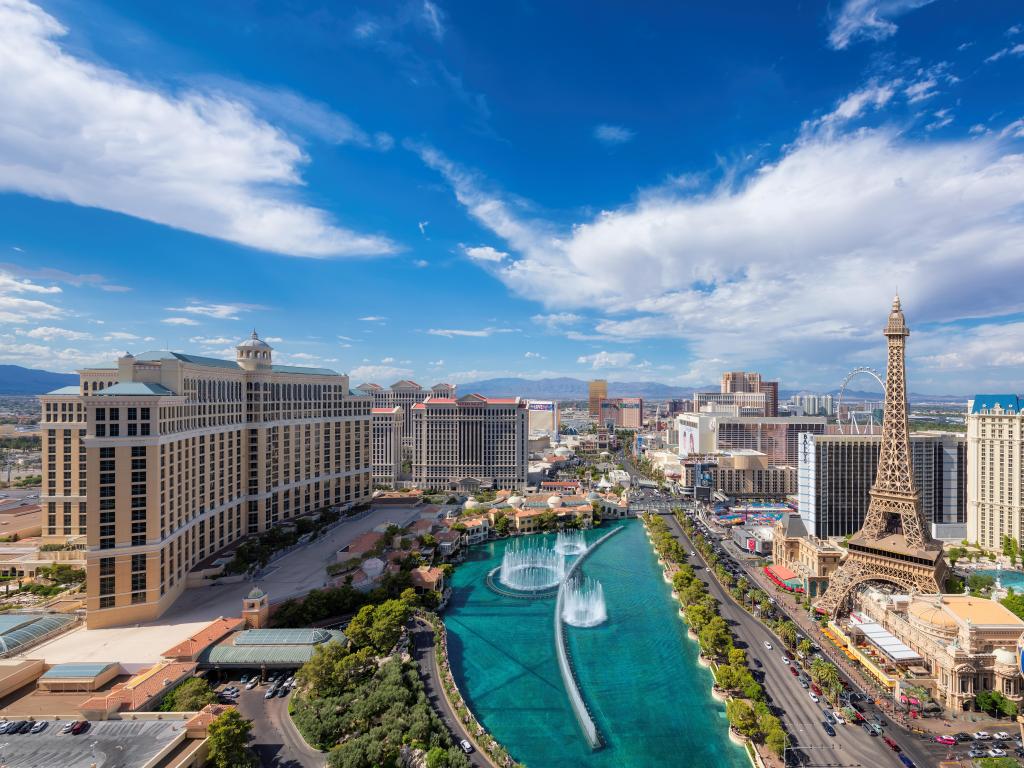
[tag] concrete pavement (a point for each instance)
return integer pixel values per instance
(276, 740)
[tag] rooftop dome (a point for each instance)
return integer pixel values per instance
(256, 593)
(255, 342)
(563, 451)
(554, 501)
(471, 503)
(928, 617)
(593, 496)
(515, 501)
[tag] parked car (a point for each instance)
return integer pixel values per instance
(793, 671)
(891, 744)
(868, 729)
(829, 718)
(243, 679)
(1001, 735)
(828, 728)
(839, 718)
(15, 727)
(997, 753)
(252, 684)
(465, 746)
(3, 727)
(907, 761)
(815, 688)
(814, 698)
(283, 691)
(39, 726)
(804, 684)
(271, 692)
(80, 727)
(949, 741)
(68, 726)
(981, 736)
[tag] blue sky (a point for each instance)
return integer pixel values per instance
(458, 191)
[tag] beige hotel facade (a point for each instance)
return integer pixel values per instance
(159, 463)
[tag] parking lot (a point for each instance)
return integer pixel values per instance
(107, 744)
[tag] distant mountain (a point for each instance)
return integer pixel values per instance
(16, 380)
(565, 388)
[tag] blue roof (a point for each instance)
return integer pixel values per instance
(69, 390)
(37, 627)
(1007, 403)
(84, 669)
(135, 388)
(213, 362)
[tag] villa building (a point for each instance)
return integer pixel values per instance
(799, 555)
(169, 457)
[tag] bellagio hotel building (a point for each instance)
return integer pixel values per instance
(159, 463)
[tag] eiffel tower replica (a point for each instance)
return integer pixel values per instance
(894, 544)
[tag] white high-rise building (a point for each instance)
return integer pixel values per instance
(543, 416)
(995, 469)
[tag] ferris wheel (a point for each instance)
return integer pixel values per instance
(853, 425)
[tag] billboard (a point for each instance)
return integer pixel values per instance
(541, 406)
(688, 440)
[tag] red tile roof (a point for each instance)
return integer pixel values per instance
(203, 639)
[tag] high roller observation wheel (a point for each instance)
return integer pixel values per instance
(863, 370)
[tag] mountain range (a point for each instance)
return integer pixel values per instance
(16, 380)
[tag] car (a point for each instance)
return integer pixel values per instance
(814, 698)
(793, 671)
(804, 684)
(829, 718)
(907, 761)
(883, 722)
(758, 664)
(15, 727)
(785, 659)
(243, 679)
(1019, 751)
(252, 684)
(80, 727)
(839, 718)
(868, 729)
(962, 736)
(1001, 735)
(949, 741)
(981, 736)
(465, 746)
(3, 727)
(997, 753)
(271, 693)
(815, 688)
(828, 728)
(891, 744)
(290, 680)
(283, 691)
(977, 752)
(39, 726)
(68, 726)
(768, 645)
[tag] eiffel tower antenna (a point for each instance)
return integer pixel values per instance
(894, 544)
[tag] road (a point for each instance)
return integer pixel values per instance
(422, 647)
(275, 738)
(852, 746)
(294, 575)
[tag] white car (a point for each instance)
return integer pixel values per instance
(981, 736)
(997, 753)
(840, 720)
(1001, 736)
(785, 660)
(768, 645)
(813, 696)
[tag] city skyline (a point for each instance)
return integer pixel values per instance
(395, 193)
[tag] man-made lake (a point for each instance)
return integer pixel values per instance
(637, 670)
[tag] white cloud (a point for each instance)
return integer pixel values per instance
(557, 319)
(213, 341)
(49, 333)
(869, 19)
(372, 319)
(217, 311)
(533, 356)
(379, 373)
(436, 363)
(273, 339)
(476, 333)
(874, 95)
(1017, 50)
(422, 225)
(823, 236)
(16, 308)
(64, 359)
(433, 17)
(612, 134)
(121, 336)
(179, 321)
(483, 253)
(387, 360)
(421, 263)
(921, 90)
(1014, 30)
(943, 117)
(84, 133)
(606, 359)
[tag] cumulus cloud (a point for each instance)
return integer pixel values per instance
(822, 236)
(483, 253)
(869, 20)
(557, 319)
(606, 359)
(17, 307)
(50, 333)
(179, 321)
(612, 134)
(381, 373)
(533, 356)
(80, 132)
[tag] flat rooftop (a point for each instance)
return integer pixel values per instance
(979, 611)
(106, 743)
(132, 646)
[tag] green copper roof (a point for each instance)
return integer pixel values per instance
(284, 652)
(69, 390)
(307, 371)
(212, 362)
(135, 388)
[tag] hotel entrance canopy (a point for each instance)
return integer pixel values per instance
(884, 640)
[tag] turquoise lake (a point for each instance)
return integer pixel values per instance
(638, 671)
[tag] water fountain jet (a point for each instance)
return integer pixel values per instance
(583, 602)
(531, 569)
(570, 543)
